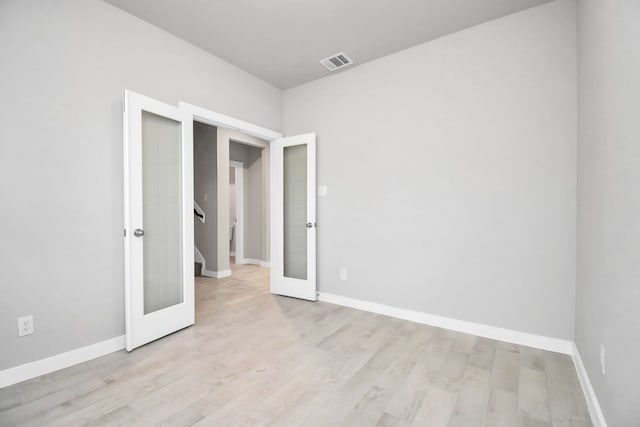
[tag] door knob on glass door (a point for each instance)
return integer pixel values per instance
(138, 232)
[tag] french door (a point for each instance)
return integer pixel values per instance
(158, 187)
(293, 216)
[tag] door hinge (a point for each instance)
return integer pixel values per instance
(125, 232)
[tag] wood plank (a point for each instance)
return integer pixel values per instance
(472, 399)
(436, 408)
(533, 397)
(390, 421)
(502, 410)
(506, 371)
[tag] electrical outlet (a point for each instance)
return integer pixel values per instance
(343, 274)
(25, 325)
(602, 358)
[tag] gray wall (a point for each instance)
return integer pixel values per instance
(608, 280)
(64, 67)
(474, 136)
(205, 181)
(254, 211)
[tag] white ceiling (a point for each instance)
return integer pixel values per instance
(282, 41)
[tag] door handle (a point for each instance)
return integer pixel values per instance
(138, 232)
(311, 224)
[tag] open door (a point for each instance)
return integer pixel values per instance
(293, 216)
(158, 187)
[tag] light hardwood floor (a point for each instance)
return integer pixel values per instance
(258, 359)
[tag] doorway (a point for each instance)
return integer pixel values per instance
(289, 199)
(156, 304)
(231, 187)
(249, 186)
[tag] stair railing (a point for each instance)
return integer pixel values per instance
(198, 212)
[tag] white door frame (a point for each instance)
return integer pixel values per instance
(212, 118)
(238, 168)
(203, 115)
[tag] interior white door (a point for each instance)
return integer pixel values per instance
(293, 216)
(158, 187)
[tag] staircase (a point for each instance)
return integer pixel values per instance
(199, 213)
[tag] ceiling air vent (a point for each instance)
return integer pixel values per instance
(339, 60)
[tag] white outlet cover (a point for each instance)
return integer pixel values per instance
(322, 191)
(25, 325)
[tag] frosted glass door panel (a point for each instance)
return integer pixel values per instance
(161, 212)
(293, 216)
(295, 211)
(158, 220)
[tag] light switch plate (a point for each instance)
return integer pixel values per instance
(322, 191)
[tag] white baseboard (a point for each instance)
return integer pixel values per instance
(59, 361)
(216, 274)
(253, 262)
(487, 331)
(597, 417)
